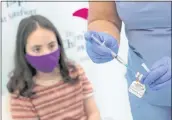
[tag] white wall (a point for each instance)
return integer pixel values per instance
(108, 79)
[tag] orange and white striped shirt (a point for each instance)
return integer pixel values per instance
(62, 101)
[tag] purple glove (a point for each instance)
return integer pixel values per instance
(159, 75)
(97, 53)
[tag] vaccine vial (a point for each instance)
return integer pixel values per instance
(136, 87)
(138, 76)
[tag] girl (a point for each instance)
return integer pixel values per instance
(44, 84)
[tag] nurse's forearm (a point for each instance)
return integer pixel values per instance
(105, 26)
(103, 17)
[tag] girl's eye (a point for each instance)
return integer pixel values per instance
(37, 50)
(51, 46)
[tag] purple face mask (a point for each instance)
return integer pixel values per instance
(44, 63)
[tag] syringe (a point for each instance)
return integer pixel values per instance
(118, 58)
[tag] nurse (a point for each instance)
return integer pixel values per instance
(148, 30)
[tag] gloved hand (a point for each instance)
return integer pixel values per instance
(159, 75)
(97, 53)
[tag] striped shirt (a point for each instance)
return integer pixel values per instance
(61, 101)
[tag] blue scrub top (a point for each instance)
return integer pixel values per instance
(148, 30)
